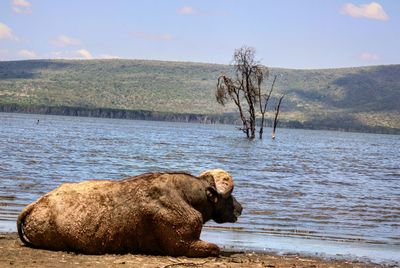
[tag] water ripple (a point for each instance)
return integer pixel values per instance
(315, 184)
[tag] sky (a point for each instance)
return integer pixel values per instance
(301, 34)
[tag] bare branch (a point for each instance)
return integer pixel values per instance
(276, 115)
(266, 98)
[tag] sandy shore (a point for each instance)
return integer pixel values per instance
(14, 254)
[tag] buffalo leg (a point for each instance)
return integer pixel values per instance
(179, 235)
(201, 249)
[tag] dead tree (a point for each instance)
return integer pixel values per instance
(276, 116)
(245, 90)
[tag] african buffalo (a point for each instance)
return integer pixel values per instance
(153, 213)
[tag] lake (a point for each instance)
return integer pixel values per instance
(314, 192)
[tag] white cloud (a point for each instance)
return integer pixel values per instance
(21, 6)
(153, 37)
(73, 54)
(369, 56)
(24, 53)
(6, 32)
(21, 3)
(369, 11)
(191, 11)
(186, 10)
(84, 54)
(62, 41)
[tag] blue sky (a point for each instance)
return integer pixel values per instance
(285, 33)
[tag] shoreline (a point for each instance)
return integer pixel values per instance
(225, 119)
(14, 254)
(366, 251)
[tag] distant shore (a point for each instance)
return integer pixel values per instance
(345, 124)
(14, 254)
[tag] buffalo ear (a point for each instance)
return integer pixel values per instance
(212, 195)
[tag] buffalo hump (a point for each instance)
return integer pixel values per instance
(153, 213)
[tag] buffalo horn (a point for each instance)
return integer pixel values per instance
(223, 181)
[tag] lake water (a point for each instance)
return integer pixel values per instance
(314, 192)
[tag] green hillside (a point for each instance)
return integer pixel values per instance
(361, 99)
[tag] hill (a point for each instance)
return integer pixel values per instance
(358, 99)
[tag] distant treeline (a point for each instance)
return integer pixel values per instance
(344, 123)
(118, 113)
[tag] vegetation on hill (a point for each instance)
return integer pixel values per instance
(361, 99)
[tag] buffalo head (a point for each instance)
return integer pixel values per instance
(225, 208)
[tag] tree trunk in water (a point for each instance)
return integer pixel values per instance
(264, 109)
(276, 116)
(253, 129)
